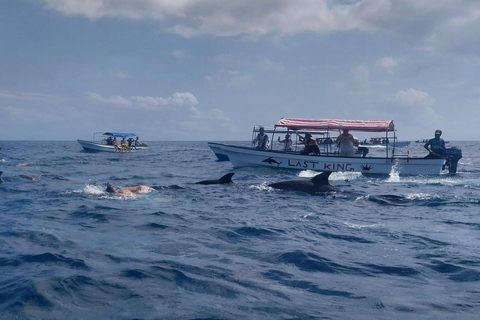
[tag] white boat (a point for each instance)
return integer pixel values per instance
(382, 142)
(104, 142)
(329, 160)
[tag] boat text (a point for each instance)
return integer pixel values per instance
(317, 165)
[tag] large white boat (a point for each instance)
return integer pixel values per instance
(329, 159)
(111, 142)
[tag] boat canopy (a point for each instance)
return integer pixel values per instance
(332, 124)
(119, 134)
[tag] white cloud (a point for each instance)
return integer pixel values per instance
(412, 97)
(148, 103)
(117, 100)
(446, 24)
(388, 63)
(120, 74)
(180, 106)
(178, 53)
(416, 105)
(156, 117)
(230, 78)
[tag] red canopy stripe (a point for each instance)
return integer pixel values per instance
(335, 124)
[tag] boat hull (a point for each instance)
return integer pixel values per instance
(92, 146)
(217, 149)
(247, 157)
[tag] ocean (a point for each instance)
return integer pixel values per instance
(385, 247)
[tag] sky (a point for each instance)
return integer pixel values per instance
(208, 70)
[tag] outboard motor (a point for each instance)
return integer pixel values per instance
(452, 156)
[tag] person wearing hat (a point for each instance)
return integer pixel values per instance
(287, 143)
(311, 145)
(262, 140)
(436, 146)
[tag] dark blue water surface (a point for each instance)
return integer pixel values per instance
(383, 248)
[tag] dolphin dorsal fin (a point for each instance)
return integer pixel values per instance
(227, 178)
(322, 178)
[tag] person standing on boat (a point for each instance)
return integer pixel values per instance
(435, 146)
(345, 143)
(287, 143)
(262, 141)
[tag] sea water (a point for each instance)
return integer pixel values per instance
(385, 247)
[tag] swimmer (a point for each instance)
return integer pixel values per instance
(128, 190)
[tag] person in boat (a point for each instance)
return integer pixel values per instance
(287, 143)
(435, 146)
(124, 144)
(130, 142)
(128, 190)
(262, 141)
(138, 143)
(311, 145)
(109, 141)
(346, 143)
(115, 143)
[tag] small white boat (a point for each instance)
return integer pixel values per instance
(382, 142)
(424, 140)
(329, 160)
(108, 142)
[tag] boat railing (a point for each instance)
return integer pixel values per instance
(326, 142)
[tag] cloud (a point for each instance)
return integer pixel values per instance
(119, 74)
(388, 63)
(446, 24)
(412, 97)
(148, 103)
(190, 18)
(158, 118)
(231, 79)
(178, 54)
(117, 100)
(416, 105)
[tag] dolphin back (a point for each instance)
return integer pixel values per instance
(322, 178)
(226, 178)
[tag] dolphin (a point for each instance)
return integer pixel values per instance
(225, 179)
(26, 176)
(1, 180)
(270, 160)
(318, 184)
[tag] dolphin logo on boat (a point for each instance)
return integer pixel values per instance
(270, 160)
(318, 184)
(225, 179)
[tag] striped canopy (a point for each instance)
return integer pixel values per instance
(332, 124)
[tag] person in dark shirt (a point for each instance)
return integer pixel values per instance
(436, 146)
